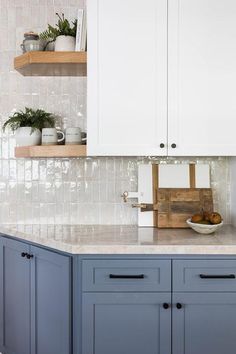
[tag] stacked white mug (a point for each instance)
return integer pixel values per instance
(52, 136)
(74, 136)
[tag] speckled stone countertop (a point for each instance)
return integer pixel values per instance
(81, 239)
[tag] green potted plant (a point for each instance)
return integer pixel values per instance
(63, 34)
(27, 125)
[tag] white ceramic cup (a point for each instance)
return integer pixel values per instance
(74, 136)
(52, 136)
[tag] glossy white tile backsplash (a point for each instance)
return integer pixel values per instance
(64, 191)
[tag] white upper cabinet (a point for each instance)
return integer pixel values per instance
(162, 72)
(202, 77)
(127, 77)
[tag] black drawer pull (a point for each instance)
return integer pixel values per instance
(126, 276)
(215, 276)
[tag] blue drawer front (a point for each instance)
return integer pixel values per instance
(126, 275)
(204, 275)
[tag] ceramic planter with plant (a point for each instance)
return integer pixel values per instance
(27, 125)
(63, 34)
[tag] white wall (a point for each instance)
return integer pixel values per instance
(233, 190)
(63, 191)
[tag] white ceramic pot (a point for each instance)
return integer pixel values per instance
(65, 44)
(25, 137)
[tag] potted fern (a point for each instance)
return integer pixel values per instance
(63, 34)
(27, 125)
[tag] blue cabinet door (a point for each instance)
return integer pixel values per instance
(126, 323)
(50, 302)
(14, 297)
(204, 324)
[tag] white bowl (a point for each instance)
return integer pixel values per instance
(204, 229)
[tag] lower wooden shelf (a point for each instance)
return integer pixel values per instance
(51, 151)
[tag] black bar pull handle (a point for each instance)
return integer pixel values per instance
(126, 276)
(216, 276)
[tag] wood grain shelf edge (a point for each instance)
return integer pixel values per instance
(38, 57)
(51, 151)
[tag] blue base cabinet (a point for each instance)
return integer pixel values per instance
(126, 306)
(14, 297)
(179, 306)
(35, 300)
(50, 302)
(126, 323)
(204, 323)
(204, 306)
(114, 305)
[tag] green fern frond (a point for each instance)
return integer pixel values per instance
(62, 28)
(36, 119)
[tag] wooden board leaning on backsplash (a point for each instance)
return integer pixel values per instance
(173, 206)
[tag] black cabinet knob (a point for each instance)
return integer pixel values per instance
(173, 146)
(178, 306)
(165, 306)
(23, 254)
(162, 146)
(29, 256)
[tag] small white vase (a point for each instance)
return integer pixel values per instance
(25, 137)
(65, 44)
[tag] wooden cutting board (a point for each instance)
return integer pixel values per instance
(173, 206)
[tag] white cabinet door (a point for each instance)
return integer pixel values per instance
(202, 77)
(127, 77)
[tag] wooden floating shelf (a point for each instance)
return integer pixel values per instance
(51, 151)
(52, 64)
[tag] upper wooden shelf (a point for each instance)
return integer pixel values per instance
(52, 64)
(51, 151)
